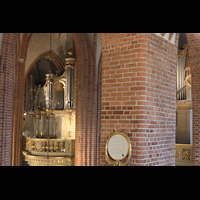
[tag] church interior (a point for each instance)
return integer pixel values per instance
(49, 113)
(67, 99)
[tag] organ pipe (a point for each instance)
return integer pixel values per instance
(70, 94)
(181, 85)
(49, 82)
(68, 88)
(32, 92)
(181, 65)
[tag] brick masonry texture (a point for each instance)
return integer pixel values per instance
(138, 95)
(194, 55)
(6, 97)
(86, 149)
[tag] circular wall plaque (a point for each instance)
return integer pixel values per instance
(118, 149)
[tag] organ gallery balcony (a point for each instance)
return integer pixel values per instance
(48, 152)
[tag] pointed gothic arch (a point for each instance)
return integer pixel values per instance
(54, 58)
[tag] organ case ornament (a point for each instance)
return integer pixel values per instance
(118, 149)
(183, 52)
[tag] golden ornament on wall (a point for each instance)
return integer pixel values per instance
(118, 149)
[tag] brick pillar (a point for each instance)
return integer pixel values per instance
(193, 40)
(18, 104)
(86, 149)
(139, 95)
(6, 97)
(18, 108)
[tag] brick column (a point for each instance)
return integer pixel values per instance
(139, 95)
(193, 40)
(6, 97)
(18, 107)
(86, 149)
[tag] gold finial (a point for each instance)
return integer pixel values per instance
(114, 130)
(70, 53)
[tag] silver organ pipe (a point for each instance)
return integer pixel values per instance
(68, 100)
(181, 78)
(181, 85)
(72, 88)
(70, 73)
(178, 80)
(49, 77)
(181, 73)
(32, 92)
(184, 84)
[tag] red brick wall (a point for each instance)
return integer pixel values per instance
(139, 95)
(6, 97)
(193, 40)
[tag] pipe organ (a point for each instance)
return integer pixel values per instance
(183, 99)
(49, 119)
(183, 75)
(181, 85)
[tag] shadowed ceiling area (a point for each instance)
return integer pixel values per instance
(40, 68)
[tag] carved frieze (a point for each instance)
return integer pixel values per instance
(183, 105)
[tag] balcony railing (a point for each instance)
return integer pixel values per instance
(44, 150)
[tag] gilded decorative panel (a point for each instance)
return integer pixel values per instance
(186, 154)
(183, 154)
